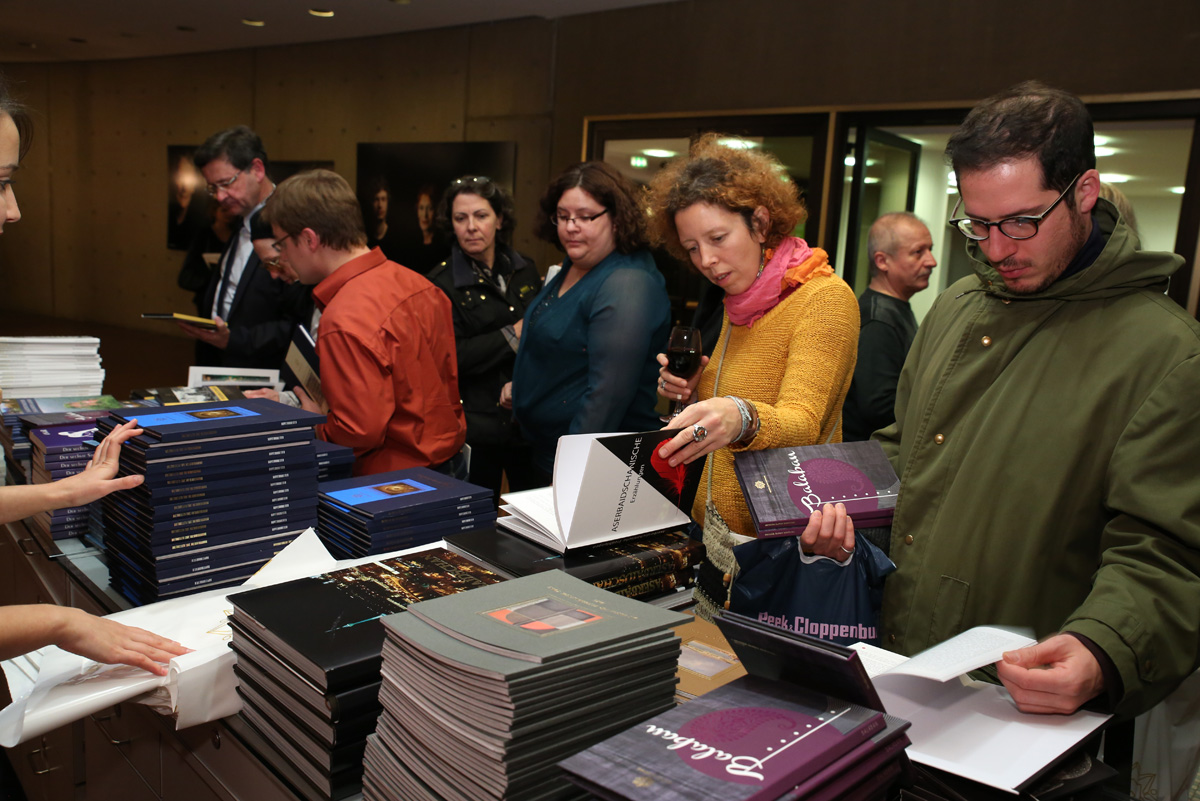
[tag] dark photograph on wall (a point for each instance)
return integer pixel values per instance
(399, 186)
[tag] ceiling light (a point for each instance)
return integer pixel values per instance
(1114, 178)
(1104, 151)
(738, 144)
(657, 153)
(638, 161)
(951, 190)
(320, 12)
(850, 162)
(870, 179)
(253, 23)
(1177, 190)
(952, 179)
(1099, 140)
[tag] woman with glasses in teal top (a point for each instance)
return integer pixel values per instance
(586, 363)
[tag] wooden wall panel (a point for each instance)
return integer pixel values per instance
(532, 136)
(319, 101)
(511, 69)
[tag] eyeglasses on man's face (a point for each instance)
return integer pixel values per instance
(1019, 227)
(582, 219)
(278, 245)
(225, 184)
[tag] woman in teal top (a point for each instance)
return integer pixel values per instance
(586, 363)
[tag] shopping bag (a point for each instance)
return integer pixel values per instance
(778, 584)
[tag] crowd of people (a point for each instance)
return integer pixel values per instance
(1040, 417)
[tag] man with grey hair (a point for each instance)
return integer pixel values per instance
(901, 261)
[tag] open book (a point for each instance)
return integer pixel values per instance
(970, 728)
(606, 487)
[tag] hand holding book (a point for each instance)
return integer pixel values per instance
(1053, 677)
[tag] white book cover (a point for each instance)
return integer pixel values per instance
(971, 728)
(606, 487)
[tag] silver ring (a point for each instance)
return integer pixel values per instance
(699, 432)
(662, 383)
(846, 550)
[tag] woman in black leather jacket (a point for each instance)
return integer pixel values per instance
(489, 285)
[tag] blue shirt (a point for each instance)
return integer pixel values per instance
(586, 363)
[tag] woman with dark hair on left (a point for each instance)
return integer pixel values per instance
(30, 627)
(586, 363)
(489, 285)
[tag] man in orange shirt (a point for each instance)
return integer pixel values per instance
(386, 344)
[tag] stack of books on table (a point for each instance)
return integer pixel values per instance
(384, 512)
(34, 367)
(334, 462)
(485, 691)
(643, 567)
(227, 486)
(785, 731)
(57, 453)
(308, 656)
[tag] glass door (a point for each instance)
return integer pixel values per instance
(881, 171)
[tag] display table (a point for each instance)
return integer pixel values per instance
(128, 752)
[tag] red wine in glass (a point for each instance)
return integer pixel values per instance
(683, 359)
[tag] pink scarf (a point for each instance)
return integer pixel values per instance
(788, 266)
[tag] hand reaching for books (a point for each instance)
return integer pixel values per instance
(99, 477)
(707, 426)
(28, 628)
(1053, 677)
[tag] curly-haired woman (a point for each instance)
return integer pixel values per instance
(781, 369)
(489, 285)
(586, 362)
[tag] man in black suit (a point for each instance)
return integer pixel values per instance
(255, 313)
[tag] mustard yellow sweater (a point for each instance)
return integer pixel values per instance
(795, 364)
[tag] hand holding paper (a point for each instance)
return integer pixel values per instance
(1056, 676)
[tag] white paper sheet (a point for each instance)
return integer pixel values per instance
(52, 687)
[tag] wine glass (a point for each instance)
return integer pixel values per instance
(683, 359)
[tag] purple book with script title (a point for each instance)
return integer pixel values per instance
(783, 486)
(749, 740)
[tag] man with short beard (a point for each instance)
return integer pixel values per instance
(1046, 427)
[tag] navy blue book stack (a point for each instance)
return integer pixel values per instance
(334, 462)
(386, 512)
(228, 485)
(57, 453)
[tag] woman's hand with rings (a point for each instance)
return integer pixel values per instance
(673, 387)
(830, 532)
(707, 426)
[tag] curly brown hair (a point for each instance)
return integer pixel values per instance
(737, 180)
(611, 189)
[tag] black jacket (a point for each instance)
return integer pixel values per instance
(485, 357)
(261, 319)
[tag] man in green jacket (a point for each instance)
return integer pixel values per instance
(1048, 418)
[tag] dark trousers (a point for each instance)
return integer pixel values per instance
(488, 462)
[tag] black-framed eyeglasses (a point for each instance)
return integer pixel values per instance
(1021, 227)
(563, 219)
(278, 244)
(225, 184)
